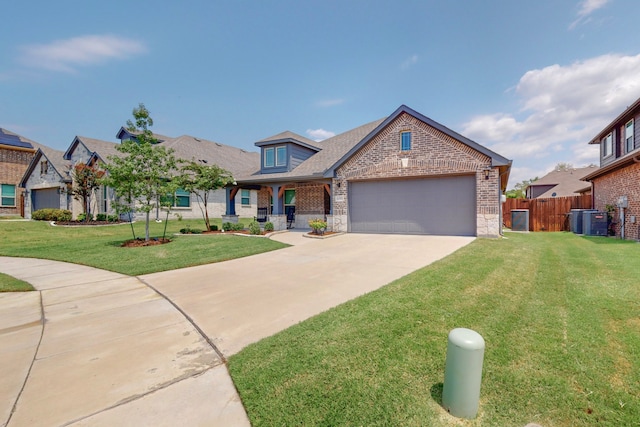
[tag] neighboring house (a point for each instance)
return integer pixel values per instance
(403, 174)
(560, 183)
(16, 153)
(617, 181)
(89, 151)
(46, 181)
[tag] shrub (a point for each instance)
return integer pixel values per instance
(214, 228)
(254, 227)
(101, 217)
(268, 227)
(51, 215)
(112, 218)
(318, 225)
(230, 226)
(189, 230)
(83, 217)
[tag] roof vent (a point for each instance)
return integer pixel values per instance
(197, 139)
(218, 144)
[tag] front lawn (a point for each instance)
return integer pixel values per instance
(11, 284)
(560, 315)
(100, 246)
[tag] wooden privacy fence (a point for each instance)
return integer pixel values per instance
(550, 214)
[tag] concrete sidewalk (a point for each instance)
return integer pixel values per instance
(113, 352)
(110, 350)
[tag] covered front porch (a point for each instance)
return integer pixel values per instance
(287, 204)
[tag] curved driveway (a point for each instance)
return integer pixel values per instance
(93, 347)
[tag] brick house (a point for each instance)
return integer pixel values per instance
(616, 184)
(16, 153)
(402, 174)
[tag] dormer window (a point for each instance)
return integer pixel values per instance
(281, 156)
(607, 146)
(275, 156)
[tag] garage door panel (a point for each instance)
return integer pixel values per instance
(46, 198)
(444, 205)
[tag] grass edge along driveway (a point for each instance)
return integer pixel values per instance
(559, 314)
(100, 246)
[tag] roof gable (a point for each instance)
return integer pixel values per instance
(288, 136)
(496, 159)
(54, 158)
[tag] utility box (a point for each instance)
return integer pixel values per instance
(463, 373)
(519, 219)
(576, 217)
(594, 223)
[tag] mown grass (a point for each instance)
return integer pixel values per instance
(100, 246)
(560, 315)
(11, 284)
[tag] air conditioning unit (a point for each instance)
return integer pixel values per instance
(576, 220)
(594, 223)
(519, 219)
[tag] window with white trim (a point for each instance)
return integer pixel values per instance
(8, 195)
(405, 141)
(628, 136)
(245, 197)
(607, 146)
(269, 157)
(281, 156)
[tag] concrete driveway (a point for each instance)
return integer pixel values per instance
(239, 302)
(93, 347)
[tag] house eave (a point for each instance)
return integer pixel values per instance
(622, 162)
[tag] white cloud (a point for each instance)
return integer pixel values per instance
(563, 107)
(587, 7)
(413, 59)
(320, 134)
(67, 55)
(330, 102)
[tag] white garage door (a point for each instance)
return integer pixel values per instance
(440, 206)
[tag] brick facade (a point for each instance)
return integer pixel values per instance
(432, 153)
(13, 165)
(621, 182)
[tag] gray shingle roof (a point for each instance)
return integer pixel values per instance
(566, 183)
(332, 150)
(104, 149)
(288, 135)
(235, 160)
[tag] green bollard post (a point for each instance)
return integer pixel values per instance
(463, 373)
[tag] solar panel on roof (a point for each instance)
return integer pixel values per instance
(13, 140)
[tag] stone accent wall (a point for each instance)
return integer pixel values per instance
(13, 165)
(432, 153)
(622, 182)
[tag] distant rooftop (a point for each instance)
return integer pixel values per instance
(13, 140)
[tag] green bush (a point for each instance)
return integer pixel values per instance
(229, 226)
(254, 227)
(83, 217)
(318, 225)
(214, 228)
(112, 218)
(189, 230)
(51, 215)
(101, 217)
(268, 227)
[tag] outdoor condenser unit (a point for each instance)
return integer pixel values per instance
(594, 223)
(520, 219)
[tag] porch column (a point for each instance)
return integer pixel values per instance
(277, 201)
(230, 201)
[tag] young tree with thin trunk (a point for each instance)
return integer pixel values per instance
(200, 180)
(86, 179)
(141, 175)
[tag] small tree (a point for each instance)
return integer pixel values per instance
(141, 175)
(201, 180)
(563, 167)
(86, 179)
(519, 190)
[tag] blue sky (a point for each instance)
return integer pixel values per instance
(534, 80)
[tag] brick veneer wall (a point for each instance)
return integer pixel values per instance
(13, 165)
(622, 182)
(432, 153)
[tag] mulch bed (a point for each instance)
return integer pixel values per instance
(136, 243)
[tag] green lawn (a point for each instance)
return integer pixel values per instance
(11, 284)
(100, 246)
(560, 315)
